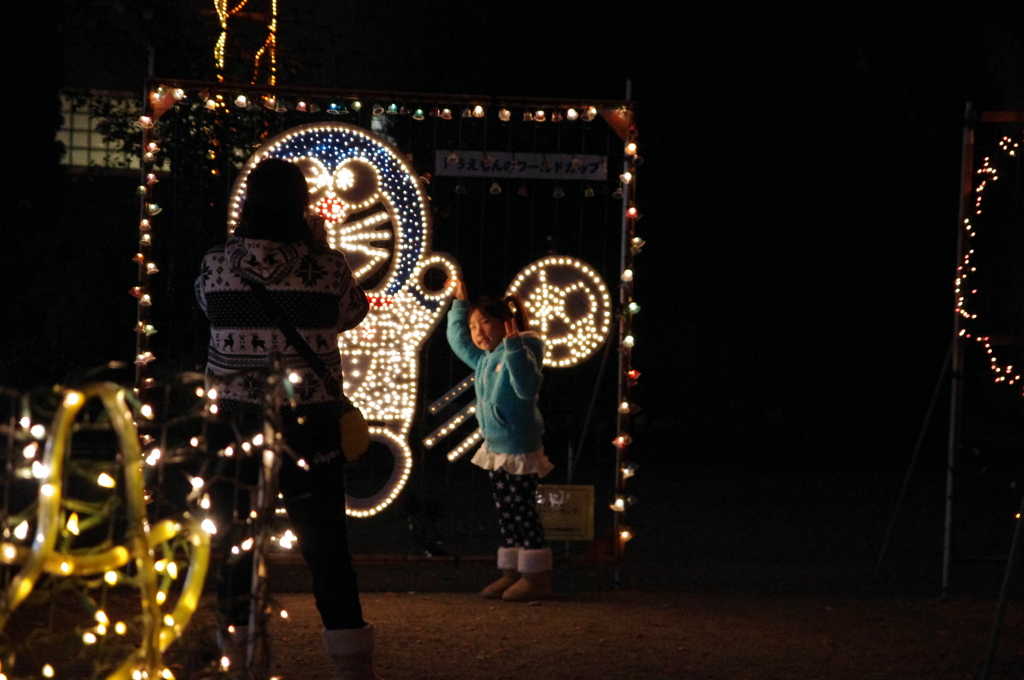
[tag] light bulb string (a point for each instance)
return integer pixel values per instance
(988, 172)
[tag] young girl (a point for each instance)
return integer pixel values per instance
(492, 337)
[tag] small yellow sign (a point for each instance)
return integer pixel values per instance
(566, 511)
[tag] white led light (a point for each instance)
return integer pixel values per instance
(987, 172)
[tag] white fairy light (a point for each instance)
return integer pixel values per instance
(21, 531)
(965, 269)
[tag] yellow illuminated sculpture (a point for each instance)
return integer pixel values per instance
(148, 550)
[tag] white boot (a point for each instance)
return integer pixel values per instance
(508, 562)
(351, 650)
(535, 566)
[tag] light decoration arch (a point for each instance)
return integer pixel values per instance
(376, 212)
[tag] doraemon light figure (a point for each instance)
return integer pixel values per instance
(374, 211)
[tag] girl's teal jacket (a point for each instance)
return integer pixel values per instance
(507, 383)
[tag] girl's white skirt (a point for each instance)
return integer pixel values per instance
(534, 462)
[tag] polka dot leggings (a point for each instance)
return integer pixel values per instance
(515, 498)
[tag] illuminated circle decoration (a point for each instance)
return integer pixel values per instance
(375, 211)
(149, 552)
(569, 306)
(365, 507)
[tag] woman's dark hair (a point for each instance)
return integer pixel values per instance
(504, 308)
(276, 198)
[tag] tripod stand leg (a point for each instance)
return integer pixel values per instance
(997, 625)
(913, 458)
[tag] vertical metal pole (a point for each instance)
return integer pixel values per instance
(957, 358)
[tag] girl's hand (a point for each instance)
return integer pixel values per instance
(460, 289)
(511, 329)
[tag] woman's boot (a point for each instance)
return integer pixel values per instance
(351, 650)
(535, 584)
(508, 562)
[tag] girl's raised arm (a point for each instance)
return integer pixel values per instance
(458, 334)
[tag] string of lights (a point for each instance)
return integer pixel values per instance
(632, 246)
(267, 50)
(987, 173)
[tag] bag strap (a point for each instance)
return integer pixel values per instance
(295, 338)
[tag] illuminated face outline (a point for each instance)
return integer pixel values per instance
(569, 306)
(390, 221)
(384, 230)
(352, 189)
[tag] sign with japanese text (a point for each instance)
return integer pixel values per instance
(499, 164)
(566, 511)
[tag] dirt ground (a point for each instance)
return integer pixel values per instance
(620, 634)
(633, 634)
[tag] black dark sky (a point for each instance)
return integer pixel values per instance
(800, 187)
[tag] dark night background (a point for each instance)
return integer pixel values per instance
(799, 199)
